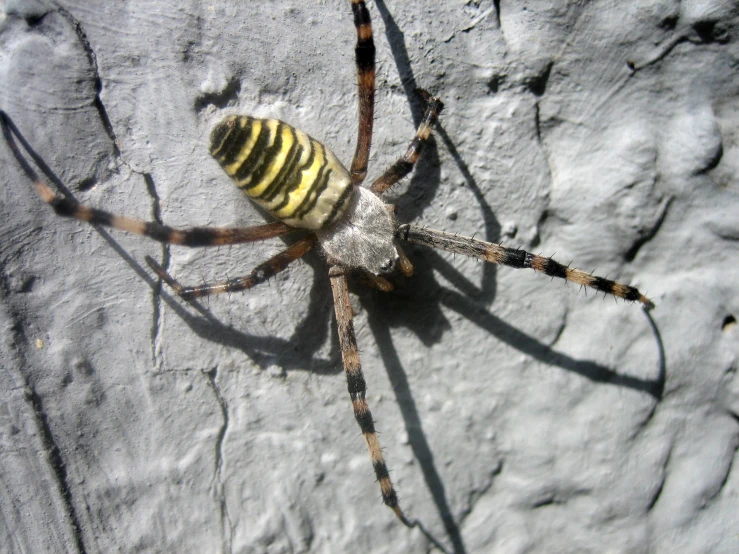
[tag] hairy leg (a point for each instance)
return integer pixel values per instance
(357, 388)
(518, 259)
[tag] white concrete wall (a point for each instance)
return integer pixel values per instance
(517, 414)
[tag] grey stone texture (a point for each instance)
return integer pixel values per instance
(517, 413)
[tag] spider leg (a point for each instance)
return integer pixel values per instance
(404, 263)
(518, 259)
(365, 58)
(260, 274)
(357, 388)
(404, 165)
(373, 281)
(195, 236)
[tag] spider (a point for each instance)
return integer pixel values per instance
(299, 181)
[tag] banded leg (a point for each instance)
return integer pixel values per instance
(364, 53)
(260, 274)
(69, 207)
(404, 165)
(357, 388)
(518, 259)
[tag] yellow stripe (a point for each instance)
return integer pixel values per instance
(304, 145)
(276, 164)
(256, 128)
(258, 158)
(307, 183)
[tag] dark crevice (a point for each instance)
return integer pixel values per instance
(86, 184)
(475, 495)
(27, 284)
(220, 99)
(57, 466)
(495, 82)
(715, 160)
(496, 5)
(631, 253)
(537, 124)
(669, 23)
(227, 525)
(92, 60)
(657, 493)
(538, 83)
(35, 20)
(550, 500)
(728, 323)
(156, 209)
(156, 214)
(706, 31)
(55, 459)
(33, 13)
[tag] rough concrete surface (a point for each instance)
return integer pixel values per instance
(517, 413)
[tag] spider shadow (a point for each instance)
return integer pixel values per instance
(264, 351)
(298, 352)
(418, 308)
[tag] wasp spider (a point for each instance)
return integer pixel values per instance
(300, 182)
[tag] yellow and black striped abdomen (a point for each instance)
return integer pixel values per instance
(292, 176)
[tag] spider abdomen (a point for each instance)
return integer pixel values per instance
(291, 175)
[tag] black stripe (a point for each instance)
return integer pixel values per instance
(281, 178)
(303, 208)
(365, 48)
(158, 232)
(234, 142)
(364, 419)
(293, 181)
(365, 56)
(398, 170)
(310, 201)
(515, 258)
(348, 192)
(246, 167)
(632, 294)
(416, 145)
(381, 470)
(603, 285)
(361, 14)
(355, 383)
(65, 207)
(220, 132)
(390, 499)
(270, 154)
(198, 236)
(554, 269)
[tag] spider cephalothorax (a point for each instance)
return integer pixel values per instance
(303, 185)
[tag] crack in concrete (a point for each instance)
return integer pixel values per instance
(496, 6)
(631, 253)
(92, 59)
(150, 186)
(54, 453)
(226, 523)
(475, 495)
(156, 298)
(661, 485)
(699, 32)
(58, 466)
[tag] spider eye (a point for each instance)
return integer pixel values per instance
(387, 265)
